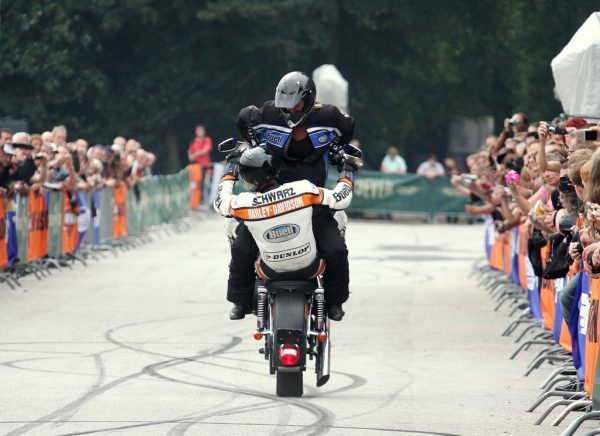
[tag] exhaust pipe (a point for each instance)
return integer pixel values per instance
(324, 351)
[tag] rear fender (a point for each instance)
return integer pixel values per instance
(289, 323)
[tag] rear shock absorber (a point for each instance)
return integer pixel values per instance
(320, 309)
(261, 305)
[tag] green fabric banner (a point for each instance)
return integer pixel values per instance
(378, 192)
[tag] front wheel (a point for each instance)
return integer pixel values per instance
(289, 384)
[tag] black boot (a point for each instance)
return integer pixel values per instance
(335, 312)
(239, 311)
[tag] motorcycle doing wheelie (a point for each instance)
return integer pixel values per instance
(289, 305)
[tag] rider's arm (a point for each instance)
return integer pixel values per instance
(225, 195)
(249, 117)
(339, 197)
(345, 124)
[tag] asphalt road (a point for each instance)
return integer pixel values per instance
(141, 344)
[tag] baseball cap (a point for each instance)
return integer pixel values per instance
(576, 122)
(9, 149)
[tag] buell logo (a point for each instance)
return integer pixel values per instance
(282, 233)
(287, 254)
(323, 139)
(272, 137)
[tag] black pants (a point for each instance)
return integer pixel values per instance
(330, 245)
(567, 295)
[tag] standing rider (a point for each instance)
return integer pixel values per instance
(299, 133)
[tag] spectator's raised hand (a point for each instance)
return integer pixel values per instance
(574, 252)
(543, 130)
(593, 213)
(549, 220)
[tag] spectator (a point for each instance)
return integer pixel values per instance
(47, 137)
(5, 136)
(513, 126)
(59, 135)
(36, 143)
(200, 148)
(119, 140)
(431, 168)
(451, 167)
(393, 163)
(81, 145)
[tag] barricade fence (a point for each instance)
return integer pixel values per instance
(512, 275)
(376, 192)
(48, 226)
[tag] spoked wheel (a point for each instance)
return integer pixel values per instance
(289, 384)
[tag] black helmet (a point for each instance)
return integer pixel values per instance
(256, 168)
(292, 88)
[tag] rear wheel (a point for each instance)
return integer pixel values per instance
(289, 384)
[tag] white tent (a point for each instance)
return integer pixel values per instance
(576, 71)
(332, 88)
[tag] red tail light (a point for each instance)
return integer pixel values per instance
(289, 355)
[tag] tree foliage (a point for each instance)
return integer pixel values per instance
(152, 69)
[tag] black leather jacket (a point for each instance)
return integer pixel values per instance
(297, 160)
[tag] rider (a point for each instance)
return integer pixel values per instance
(279, 217)
(299, 133)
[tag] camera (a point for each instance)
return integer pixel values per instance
(466, 179)
(500, 226)
(512, 177)
(556, 129)
(566, 224)
(513, 122)
(590, 135)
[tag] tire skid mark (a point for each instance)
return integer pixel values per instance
(147, 369)
(181, 428)
(181, 421)
(2, 350)
(388, 401)
(356, 381)
(110, 337)
(96, 391)
(13, 364)
(72, 406)
(100, 378)
(323, 417)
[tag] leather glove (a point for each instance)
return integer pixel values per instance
(336, 156)
(350, 165)
(234, 157)
(348, 168)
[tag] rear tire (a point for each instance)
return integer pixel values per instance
(289, 384)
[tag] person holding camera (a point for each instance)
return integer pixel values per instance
(514, 125)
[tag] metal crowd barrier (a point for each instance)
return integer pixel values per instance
(572, 349)
(55, 236)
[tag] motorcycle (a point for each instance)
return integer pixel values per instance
(291, 317)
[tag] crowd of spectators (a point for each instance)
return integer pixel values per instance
(394, 164)
(545, 176)
(48, 161)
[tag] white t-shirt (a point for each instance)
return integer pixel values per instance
(393, 165)
(428, 167)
